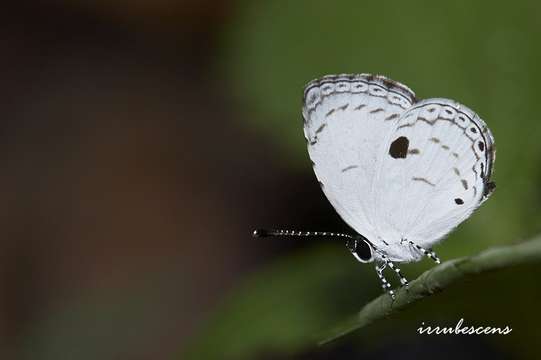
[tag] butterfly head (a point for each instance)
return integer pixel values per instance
(361, 248)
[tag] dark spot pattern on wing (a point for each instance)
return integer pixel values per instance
(422, 179)
(349, 168)
(399, 148)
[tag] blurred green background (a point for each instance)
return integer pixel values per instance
(143, 141)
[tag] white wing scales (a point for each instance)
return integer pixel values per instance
(394, 168)
(346, 121)
(442, 178)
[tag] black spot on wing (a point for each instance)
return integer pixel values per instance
(481, 145)
(399, 147)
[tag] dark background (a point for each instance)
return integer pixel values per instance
(141, 142)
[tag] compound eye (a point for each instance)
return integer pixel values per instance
(361, 249)
(364, 251)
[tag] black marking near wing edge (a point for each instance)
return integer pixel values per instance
(489, 188)
(482, 129)
(315, 138)
(320, 129)
(395, 90)
(369, 79)
(381, 82)
(481, 146)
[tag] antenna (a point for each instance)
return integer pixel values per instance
(269, 233)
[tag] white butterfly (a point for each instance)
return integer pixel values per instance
(401, 172)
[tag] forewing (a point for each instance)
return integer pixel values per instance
(347, 119)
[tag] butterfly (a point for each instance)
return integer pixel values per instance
(400, 171)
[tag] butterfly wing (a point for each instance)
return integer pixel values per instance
(434, 173)
(347, 119)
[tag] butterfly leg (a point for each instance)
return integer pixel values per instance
(384, 283)
(379, 269)
(392, 266)
(431, 254)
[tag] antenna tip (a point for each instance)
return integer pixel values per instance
(260, 233)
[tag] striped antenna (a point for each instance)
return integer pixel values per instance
(268, 233)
